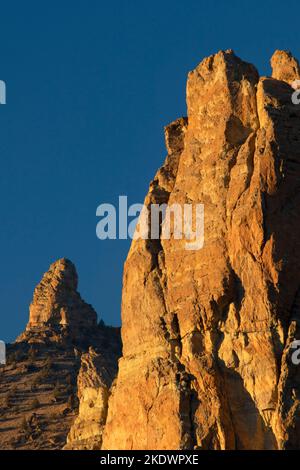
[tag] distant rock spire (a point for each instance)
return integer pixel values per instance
(57, 305)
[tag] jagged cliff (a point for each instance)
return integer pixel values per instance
(50, 363)
(207, 334)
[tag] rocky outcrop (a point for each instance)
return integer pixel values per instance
(285, 67)
(57, 310)
(63, 358)
(94, 381)
(208, 334)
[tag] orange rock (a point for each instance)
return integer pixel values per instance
(57, 306)
(207, 334)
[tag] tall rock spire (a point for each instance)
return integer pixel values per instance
(208, 334)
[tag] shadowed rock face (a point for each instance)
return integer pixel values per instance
(207, 335)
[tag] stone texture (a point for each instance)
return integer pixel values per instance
(57, 308)
(37, 396)
(64, 357)
(285, 67)
(94, 381)
(207, 335)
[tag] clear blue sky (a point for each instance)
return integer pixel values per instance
(90, 85)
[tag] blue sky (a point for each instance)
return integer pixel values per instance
(90, 86)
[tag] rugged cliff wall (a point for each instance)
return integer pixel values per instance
(207, 334)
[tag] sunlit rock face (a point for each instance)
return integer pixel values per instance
(57, 307)
(208, 334)
(94, 381)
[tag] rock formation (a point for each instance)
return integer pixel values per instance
(60, 357)
(208, 334)
(285, 67)
(57, 308)
(94, 381)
